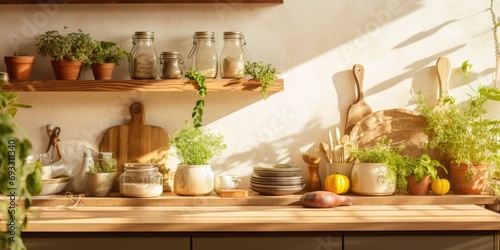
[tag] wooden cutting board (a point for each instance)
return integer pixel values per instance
(135, 141)
(403, 127)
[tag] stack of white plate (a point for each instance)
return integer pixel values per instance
(276, 179)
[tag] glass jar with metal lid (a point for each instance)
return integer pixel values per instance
(144, 63)
(171, 65)
(203, 54)
(233, 57)
(141, 180)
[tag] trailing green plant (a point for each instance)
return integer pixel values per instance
(74, 46)
(197, 113)
(265, 73)
(18, 180)
(103, 166)
(108, 52)
(384, 152)
(197, 146)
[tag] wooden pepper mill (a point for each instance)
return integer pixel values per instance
(313, 182)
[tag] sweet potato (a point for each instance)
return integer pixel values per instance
(324, 199)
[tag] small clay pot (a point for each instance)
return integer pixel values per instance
(19, 67)
(476, 185)
(67, 70)
(418, 188)
(102, 71)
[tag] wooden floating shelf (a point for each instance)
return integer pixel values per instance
(136, 1)
(136, 85)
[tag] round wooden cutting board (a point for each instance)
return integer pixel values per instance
(135, 141)
(403, 127)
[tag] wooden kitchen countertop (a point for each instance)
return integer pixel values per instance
(261, 218)
(254, 199)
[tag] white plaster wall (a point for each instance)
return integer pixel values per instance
(314, 44)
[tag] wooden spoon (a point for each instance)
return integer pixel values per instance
(359, 108)
(324, 149)
(443, 67)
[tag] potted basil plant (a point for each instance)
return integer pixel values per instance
(69, 52)
(104, 57)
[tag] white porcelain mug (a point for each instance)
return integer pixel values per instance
(224, 182)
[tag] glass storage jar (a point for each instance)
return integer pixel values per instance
(233, 56)
(203, 54)
(170, 65)
(144, 63)
(141, 180)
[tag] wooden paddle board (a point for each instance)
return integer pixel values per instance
(135, 141)
(359, 108)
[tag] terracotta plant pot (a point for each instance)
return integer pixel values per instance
(418, 188)
(67, 70)
(371, 179)
(475, 185)
(103, 71)
(19, 67)
(99, 184)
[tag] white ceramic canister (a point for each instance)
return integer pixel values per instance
(371, 179)
(193, 180)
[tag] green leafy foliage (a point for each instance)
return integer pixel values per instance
(74, 46)
(108, 52)
(197, 113)
(265, 73)
(103, 166)
(461, 131)
(20, 54)
(383, 152)
(196, 146)
(14, 149)
(420, 167)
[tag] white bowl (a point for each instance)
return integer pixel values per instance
(53, 188)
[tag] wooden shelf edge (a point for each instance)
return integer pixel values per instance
(136, 85)
(141, 1)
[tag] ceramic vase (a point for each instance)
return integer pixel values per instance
(193, 180)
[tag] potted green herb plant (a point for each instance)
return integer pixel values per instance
(18, 180)
(377, 170)
(266, 74)
(420, 172)
(101, 176)
(68, 52)
(19, 66)
(105, 56)
(462, 133)
(195, 147)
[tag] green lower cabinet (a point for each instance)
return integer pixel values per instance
(471, 240)
(106, 241)
(267, 241)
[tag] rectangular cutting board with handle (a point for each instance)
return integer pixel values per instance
(135, 141)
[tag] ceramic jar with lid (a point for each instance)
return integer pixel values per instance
(141, 180)
(233, 56)
(203, 54)
(144, 63)
(171, 65)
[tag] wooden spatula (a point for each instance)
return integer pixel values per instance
(359, 108)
